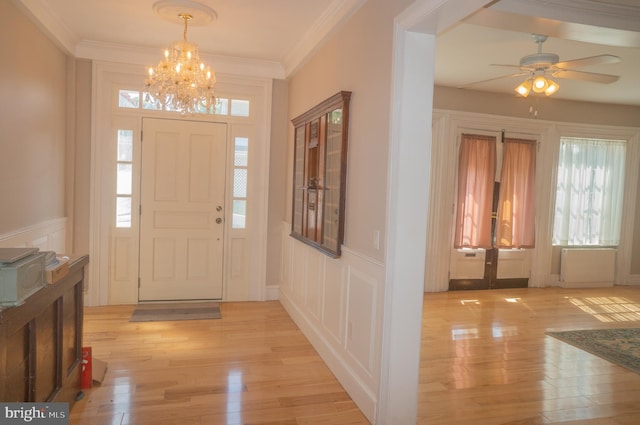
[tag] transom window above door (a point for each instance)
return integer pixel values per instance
(134, 99)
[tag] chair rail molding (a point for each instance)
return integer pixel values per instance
(48, 235)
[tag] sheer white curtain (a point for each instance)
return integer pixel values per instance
(589, 192)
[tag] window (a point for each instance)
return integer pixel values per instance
(124, 177)
(129, 99)
(150, 104)
(222, 107)
(132, 99)
(239, 108)
(590, 186)
(240, 164)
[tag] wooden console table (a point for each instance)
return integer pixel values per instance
(41, 342)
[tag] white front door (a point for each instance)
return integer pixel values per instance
(182, 210)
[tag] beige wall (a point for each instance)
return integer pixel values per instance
(33, 83)
(350, 61)
(82, 157)
(339, 304)
(548, 109)
(277, 178)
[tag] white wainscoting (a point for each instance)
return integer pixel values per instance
(47, 236)
(337, 304)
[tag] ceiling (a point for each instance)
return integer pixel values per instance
(282, 33)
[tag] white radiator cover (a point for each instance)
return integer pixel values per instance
(587, 267)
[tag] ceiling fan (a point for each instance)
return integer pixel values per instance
(538, 66)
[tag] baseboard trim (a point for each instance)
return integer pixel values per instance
(272, 292)
(633, 279)
(362, 395)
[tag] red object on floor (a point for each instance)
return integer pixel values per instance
(86, 380)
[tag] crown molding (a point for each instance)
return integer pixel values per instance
(616, 14)
(40, 13)
(555, 28)
(336, 14)
(147, 56)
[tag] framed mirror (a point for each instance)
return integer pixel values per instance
(319, 174)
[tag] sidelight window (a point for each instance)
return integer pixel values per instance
(124, 177)
(240, 172)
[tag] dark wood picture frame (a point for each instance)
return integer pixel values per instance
(321, 139)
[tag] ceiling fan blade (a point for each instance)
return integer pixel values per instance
(506, 65)
(518, 74)
(590, 61)
(585, 76)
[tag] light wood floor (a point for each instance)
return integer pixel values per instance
(485, 360)
(253, 366)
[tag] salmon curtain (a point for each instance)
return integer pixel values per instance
(515, 226)
(476, 174)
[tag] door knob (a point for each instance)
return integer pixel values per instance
(218, 220)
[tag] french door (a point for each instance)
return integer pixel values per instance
(494, 213)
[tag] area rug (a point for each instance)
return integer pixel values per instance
(175, 311)
(619, 346)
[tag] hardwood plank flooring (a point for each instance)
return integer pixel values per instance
(253, 366)
(486, 360)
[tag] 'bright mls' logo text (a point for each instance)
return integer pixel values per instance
(38, 413)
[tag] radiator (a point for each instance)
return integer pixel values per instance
(587, 267)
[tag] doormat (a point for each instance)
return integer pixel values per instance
(165, 312)
(619, 346)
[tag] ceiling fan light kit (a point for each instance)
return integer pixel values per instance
(538, 83)
(524, 88)
(551, 88)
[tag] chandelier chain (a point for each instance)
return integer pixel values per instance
(186, 17)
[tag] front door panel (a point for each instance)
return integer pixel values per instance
(182, 210)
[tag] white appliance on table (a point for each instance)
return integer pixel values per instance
(21, 274)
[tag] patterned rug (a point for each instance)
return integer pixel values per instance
(175, 311)
(619, 346)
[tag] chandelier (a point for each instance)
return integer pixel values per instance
(181, 81)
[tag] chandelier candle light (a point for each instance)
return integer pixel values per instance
(181, 81)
